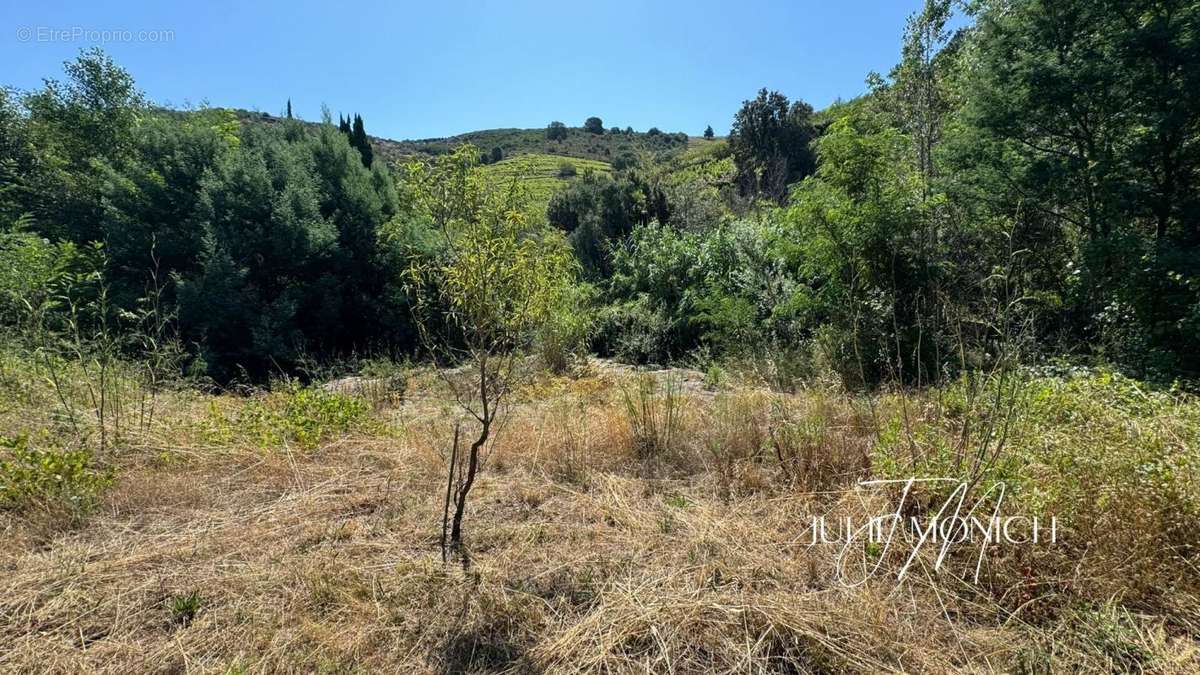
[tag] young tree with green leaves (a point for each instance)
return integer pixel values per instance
(76, 127)
(500, 278)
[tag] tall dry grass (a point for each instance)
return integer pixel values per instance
(253, 552)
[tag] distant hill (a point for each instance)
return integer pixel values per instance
(548, 165)
(606, 147)
(543, 174)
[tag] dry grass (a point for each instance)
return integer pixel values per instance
(212, 556)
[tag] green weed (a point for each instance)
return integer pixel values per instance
(51, 476)
(303, 416)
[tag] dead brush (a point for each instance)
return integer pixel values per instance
(572, 443)
(676, 623)
(815, 452)
(327, 561)
(734, 437)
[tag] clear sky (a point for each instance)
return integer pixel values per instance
(441, 67)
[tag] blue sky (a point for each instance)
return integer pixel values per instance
(425, 69)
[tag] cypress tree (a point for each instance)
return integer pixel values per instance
(358, 138)
(289, 109)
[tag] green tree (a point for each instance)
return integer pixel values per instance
(358, 138)
(266, 246)
(593, 125)
(1083, 116)
(281, 252)
(847, 239)
(708, 132)
(77, 126)
(770, 143)
(151, 200)
(556, 131)
(500, 279)
(597, 213)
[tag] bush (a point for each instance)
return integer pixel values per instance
(625, 160)
(1114, 461)
(634, 332)
(54, 476)
(564, 337)
(566, 170)
(312, 415)
(305, 416)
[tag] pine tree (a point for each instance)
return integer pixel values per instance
(708, 132)
(289, 109)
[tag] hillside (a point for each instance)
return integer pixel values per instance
(578, 143)
(910, 384)
(544, 174)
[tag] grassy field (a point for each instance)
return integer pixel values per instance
(543, 175)
(624, 522)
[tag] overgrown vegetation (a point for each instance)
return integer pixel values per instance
(248, 365)
(50, 477)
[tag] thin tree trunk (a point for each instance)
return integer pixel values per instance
(461, 501)
(464, 488)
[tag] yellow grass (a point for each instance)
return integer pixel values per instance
(587, 556)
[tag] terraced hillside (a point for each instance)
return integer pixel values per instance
(544, 174)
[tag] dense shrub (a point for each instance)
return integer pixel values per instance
(266, 237)
(1112, 459)
(50, 477)
(565, 337)
(305, 416)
